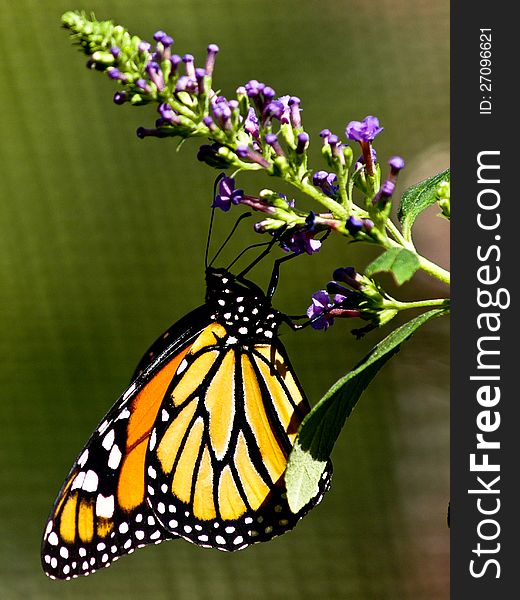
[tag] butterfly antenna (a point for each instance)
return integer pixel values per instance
(230, 235)
(235, 260)
(276, 238)
(210, 228)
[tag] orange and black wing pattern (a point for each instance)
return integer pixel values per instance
(197, 447)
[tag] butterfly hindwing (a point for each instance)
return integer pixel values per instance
(218, 453)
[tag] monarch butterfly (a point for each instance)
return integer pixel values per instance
(196, 447)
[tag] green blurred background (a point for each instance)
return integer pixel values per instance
(101, 247)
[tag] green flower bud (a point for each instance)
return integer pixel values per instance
(443, 198)
(104, 58)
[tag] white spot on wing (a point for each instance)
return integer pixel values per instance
(114, 458)
(103, 427)
(53, 539)
(108, 440)
(105, 506)
(83, 458)
(129, 391)
(48, 529)
(182, 366)
(124, 414)
(91, 481)
(153, 439)
(78, 480)
(123, 527)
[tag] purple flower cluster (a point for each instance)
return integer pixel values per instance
(285, 109)
(162, 73)
(337, 300)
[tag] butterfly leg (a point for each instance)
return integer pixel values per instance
(275, 275)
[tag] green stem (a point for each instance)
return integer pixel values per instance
(339, 211)
(398, 237)
(434, 270)
(419, 303)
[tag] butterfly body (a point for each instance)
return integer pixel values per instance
(196, 447)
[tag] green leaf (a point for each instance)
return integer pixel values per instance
(322, 426)
(400, 262)
(417, 198)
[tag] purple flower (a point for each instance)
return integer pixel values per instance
(253, 88)
(175, 61)
(396, 164)
(251, 124)
(144, 47)
(324, 134)
(167, 113)
(348, 275)
(268, 92)
(115, 51)
(302, 142)
(210, 59)
(300, 241)
(222, 111)
(363, 131)
(186, 84)
(227, 194)
(164, 38)
(317, 311)
(278, 109)
(156, 75)
(116, 74)
(294, 104)
(326, 182)
(189, 63)
(354, 225)
(120, 97)
(143, 85)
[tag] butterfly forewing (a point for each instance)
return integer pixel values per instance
(102, 511)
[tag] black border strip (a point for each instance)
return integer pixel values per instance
(489, 127)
